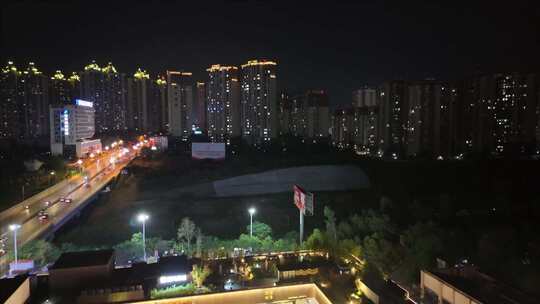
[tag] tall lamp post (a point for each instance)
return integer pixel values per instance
(14, 228)
(251, 212)
(143, 218)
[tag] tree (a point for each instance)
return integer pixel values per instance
(42, 252)
(317, 240)
(260, 230)
(186, 232)
(199, 274)
(198, 242)
(330, 221)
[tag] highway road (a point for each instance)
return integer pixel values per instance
(100, 171)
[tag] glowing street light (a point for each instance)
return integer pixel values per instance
(79, 162)
(143, 217)
(251, 212)
(14, 228)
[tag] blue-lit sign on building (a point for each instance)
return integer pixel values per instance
(84, 103)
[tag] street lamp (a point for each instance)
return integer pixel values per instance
(52, 173)
(251, 212)
(143, 218)
(14, 228)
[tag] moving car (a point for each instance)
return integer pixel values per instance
(43, 216)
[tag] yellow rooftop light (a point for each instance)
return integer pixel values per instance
(92, 66)
(258, 62)
(141, 74)
(218, 67)
(58, 75)
(161, 81)
(109, 68)
(74, 77)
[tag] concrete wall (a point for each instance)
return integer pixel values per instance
(444, 290)
(370, 294)
(21, 295)
(250, 296)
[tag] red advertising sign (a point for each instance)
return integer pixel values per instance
(299, 197)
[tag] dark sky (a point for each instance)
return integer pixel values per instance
(337, 46)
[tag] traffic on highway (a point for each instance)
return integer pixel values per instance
(36, 217)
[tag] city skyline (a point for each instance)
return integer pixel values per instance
(354, 43)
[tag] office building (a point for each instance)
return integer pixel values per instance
(259, 101)
(70, 124)
(223, 103)
(180, 103)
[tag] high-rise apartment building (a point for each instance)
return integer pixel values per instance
(63, 90)
(366, 121)
(506, 112)
(106, 88)
(392, 116)
(158, 110)
(9, 116)
(199, 112)
(342, 130)
(138, 101)
(24, 103)
(180, 103)
(223, 103)
(310, 117)
(33, 103)
(259, 101)
(285, 114)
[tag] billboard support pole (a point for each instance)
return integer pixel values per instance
(301, 226)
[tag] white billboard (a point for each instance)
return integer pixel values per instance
(208, 150)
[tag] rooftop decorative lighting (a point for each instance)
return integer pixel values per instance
(257, 62)
(219, 68)
(141, 74)
(92, 66)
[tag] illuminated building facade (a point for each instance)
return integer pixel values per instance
(259, 101)
(310, 117)
(9, 121)
(365, 121)
(285, 114)
(199, 110)
(180, 103)
(70, 124)
(63, 90)
(138, 100)
(392, 103)
(342, 131)
(106, 88)
(223, 103)
(33, 103)
(158, 110)
(24, 103)
(506, 108)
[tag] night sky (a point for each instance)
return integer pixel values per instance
(338, 47)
